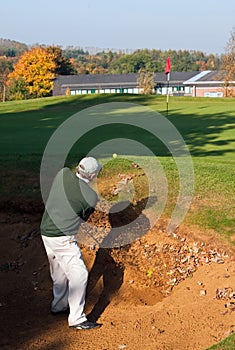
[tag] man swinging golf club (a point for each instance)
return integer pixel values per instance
(70, 202)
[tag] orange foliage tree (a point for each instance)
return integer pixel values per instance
(228, 66)
(36, 68)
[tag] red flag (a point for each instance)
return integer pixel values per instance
(168, 65)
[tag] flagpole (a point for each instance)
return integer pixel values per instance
(167, 72)
(167, 93)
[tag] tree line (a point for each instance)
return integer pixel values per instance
(28, 72)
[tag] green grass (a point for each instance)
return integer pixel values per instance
(214, 194)
(227, 344)
(207, 126)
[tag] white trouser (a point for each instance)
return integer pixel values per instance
(69, 275)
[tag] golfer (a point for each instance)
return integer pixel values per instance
(70, 202)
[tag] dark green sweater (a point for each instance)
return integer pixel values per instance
(71, 200)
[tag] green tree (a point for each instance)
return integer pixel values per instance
(63, 65)
(140, 59)
(5, 68)
(17, 89)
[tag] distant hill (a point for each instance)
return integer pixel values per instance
(112, 62)
(11, 48)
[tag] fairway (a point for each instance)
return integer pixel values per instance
(167, 281)
(207, 125)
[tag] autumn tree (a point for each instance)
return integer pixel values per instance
(228, 66)
(63, 65)
(145, 80)
(35, 71)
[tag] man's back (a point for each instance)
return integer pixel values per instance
(70, 201)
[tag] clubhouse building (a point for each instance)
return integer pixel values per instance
(202, 84)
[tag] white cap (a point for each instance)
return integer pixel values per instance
(89, 166)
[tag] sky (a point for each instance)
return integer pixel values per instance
(203, 25)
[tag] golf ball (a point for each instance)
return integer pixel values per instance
(114, 155)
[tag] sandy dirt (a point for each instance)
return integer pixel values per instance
(160, 292)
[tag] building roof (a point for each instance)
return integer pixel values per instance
(115, 79)
(212, 76)
(85, 79)
(206, 77)
(198, 76)
(175, 77)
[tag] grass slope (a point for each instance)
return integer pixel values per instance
(207, 126)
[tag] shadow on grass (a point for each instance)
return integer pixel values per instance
(203, 133)
(28, 131)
